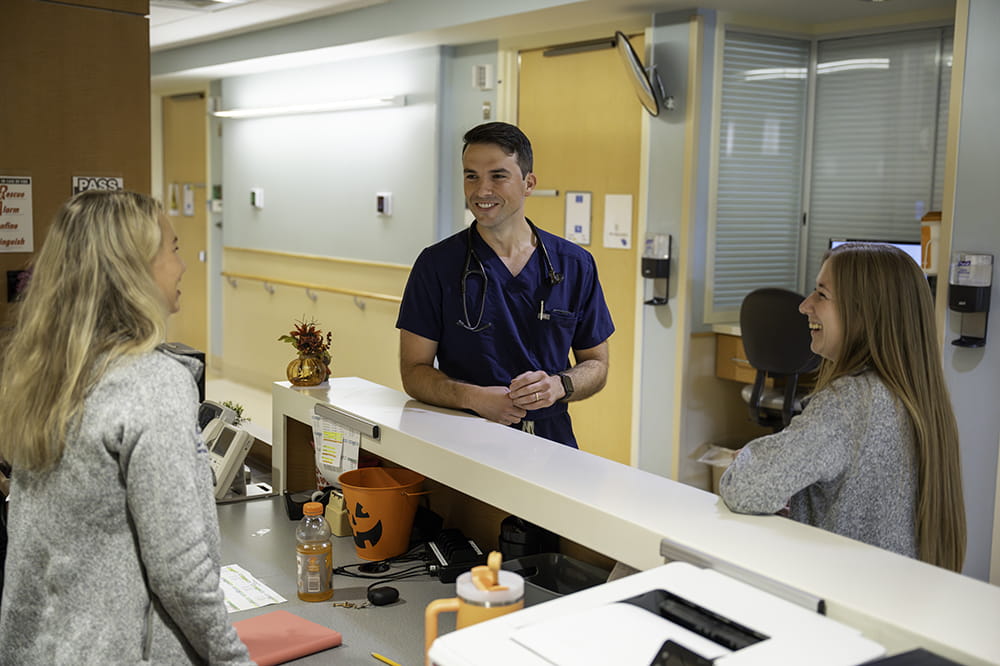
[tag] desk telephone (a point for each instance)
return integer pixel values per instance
(227, 445)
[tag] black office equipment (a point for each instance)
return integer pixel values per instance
(776, 340)
(452, 554)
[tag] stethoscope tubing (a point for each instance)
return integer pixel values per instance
(551, 276)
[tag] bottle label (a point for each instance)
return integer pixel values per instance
(314, 570)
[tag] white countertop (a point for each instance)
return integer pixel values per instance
(624, 512)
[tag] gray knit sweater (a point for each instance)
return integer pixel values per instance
(846, 463)
(114, 554)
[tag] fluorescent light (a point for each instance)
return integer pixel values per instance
(854, 63)
(770, 73)
(319, 107)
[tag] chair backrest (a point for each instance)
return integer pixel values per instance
(775, 334)
(776, 340)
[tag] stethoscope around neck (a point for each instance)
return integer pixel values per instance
(552, 277)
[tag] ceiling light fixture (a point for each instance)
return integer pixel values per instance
(319, 107)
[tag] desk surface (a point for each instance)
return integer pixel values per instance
(624, 512)
(258, 536)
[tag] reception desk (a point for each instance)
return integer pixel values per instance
(624, 513)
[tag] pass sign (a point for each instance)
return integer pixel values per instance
(84, 183)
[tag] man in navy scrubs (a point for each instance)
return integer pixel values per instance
(501, 304)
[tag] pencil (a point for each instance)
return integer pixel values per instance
(384, 660)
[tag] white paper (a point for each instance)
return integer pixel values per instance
(243, 592)
(188, 200)
(16, 222)
(618, 221)
(578, 217)
(336, 446)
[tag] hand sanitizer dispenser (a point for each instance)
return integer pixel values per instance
(656, 266)
(969, 284)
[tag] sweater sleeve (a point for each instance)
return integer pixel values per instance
(170, 499)
(814, 447)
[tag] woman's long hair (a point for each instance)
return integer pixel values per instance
(887, 315)
(92, 299)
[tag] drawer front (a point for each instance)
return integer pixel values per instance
(731, 361)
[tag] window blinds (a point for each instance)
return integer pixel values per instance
(876, 139)
(877, 158)
(761, 134)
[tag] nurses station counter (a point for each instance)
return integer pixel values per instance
(644, 520)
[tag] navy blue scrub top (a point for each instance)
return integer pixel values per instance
(516, 341)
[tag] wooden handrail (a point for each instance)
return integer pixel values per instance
(314, 287)
(316, 257)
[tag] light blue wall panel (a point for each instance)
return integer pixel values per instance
(320, 172)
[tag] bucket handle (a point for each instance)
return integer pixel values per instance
(421, 492)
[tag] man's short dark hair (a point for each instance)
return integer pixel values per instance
(511, 139)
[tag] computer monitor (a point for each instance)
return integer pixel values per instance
(912, 248)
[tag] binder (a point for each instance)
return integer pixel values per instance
(280, 636)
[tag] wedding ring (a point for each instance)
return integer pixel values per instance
(536, 396)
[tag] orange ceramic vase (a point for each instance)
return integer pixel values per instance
(306, 370)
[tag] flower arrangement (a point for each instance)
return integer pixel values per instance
(238, 408)
(308, 340)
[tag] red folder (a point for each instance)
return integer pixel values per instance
(280, 636)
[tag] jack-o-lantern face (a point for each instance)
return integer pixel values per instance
(373, 535)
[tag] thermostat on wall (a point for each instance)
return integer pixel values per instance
(383, 203)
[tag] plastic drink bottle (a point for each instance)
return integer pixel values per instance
(314, 552)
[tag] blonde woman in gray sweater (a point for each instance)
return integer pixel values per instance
(114, 541)
(874, 455)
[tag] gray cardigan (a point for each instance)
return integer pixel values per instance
(845, 464)
(114, 554)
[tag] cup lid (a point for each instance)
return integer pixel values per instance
(514, 583)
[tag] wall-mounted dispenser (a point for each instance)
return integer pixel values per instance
(969, 284)
(656, 266)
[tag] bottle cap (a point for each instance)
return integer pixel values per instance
(312, 508)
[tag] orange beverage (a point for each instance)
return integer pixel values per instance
(314, 555)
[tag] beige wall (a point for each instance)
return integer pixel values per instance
(365, 340)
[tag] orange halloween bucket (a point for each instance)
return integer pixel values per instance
(381, 503)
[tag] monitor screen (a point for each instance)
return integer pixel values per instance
(912, 248)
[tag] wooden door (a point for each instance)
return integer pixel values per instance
(184, 165)
(585, 126)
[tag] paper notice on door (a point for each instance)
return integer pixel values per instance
(578, 217)
(618, 221)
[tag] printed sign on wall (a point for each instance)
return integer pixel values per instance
(16, 223)
(83, 183)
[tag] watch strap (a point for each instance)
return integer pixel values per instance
(567, 383)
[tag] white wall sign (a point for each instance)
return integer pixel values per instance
(188, 200)
(84, 183)
(618, 221)
(16, 223)
(578, 217)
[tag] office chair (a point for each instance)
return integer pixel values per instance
(776, 340)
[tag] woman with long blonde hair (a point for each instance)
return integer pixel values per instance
(113, 551)
(874, 455)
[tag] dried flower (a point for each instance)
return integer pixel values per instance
(310, 341)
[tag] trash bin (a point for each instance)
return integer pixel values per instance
(551, 575)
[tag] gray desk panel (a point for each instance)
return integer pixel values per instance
(396, 630)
